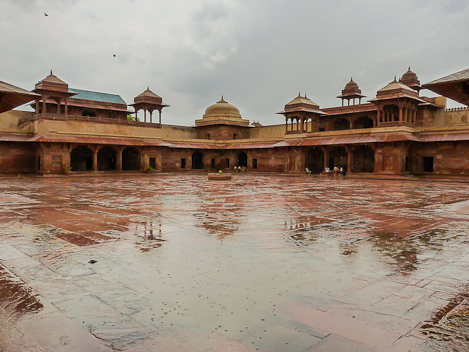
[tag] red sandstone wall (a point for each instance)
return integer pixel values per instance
(17, 157)
(222, 132)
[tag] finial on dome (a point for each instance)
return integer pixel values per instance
(148, 88)
(351, 79)
(51, 72)
(395, 78)
(409, 68)
(299, 94)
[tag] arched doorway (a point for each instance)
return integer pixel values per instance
(130, 159)
(363, 159)
(314, 160)
(107, 157)
(243, 159)
(341, 124)
(338, 156)
(197, 160)
(363, 122)
(81, 159)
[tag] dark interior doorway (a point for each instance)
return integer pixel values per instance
(107, 159)
(243, 159)
(428, 164)
(130, 159)
(81, 159)
(314, 160)
(197, 161)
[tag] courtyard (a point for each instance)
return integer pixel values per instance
(174, 262)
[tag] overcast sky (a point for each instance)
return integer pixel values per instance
(258, 53)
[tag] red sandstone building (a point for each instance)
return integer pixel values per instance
(397, 132)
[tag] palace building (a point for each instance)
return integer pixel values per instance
(399, 131)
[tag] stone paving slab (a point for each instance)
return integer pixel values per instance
(54, 332)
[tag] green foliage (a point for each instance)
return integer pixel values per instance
(132, 118)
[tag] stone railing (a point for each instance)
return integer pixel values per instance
(458, 109)
(98, 119)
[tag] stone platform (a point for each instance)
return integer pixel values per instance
(269, 263)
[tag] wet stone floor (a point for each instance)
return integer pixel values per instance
(271, 263)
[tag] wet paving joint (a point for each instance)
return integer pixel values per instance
(267, 263)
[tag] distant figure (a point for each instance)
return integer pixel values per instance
(336, 170)
(328, 170)
(308, 171)
(235, 169)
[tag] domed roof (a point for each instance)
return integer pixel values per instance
(410, 79)
(351, 90)
(351, 85)
(222, 109)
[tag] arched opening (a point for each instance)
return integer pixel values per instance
(81, 159)
(197, 160)
(243, 159)
(314, 160)
(338, 156)
(363, 122)
(341, 124)
(89, 112)
(130, 159)
(363, 159)
(107, 157)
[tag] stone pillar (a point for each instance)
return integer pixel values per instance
(151, 115)
(59, 101)
(66, 107)
(326, 157)
(144, 115)
(159, 111)
(37, 106)
(400, 113)
(119, 150)
(349, 158)
(95, 159)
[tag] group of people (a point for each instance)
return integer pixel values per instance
(337, 170)
(240, 169)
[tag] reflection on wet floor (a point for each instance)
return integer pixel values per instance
(254, 263)
(16, 298)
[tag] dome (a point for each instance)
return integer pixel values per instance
(351, 88)
(410, 79)
(222, 109)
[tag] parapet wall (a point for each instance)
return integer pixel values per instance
(268, 132)
(456, 116)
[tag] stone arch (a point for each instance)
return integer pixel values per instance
(197, 160)
(363, 159)
(81, 158)
(338, 156)
(130, 159)
(107, 159)
(341, 124)
(363, 122)
(314, 160)
(242, 159)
